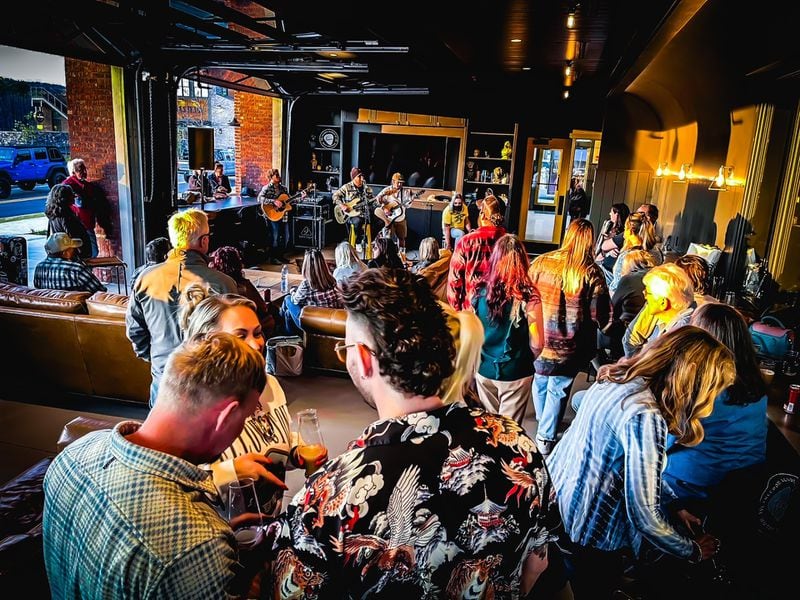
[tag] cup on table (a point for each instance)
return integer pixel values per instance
(768, 375)
(243, 499)
(312, 447)
(791, 362)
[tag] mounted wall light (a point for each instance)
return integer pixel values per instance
(565, 94)
(661, 170)
(686, 169)
(722, 180)
(571, 19)
(568, 69)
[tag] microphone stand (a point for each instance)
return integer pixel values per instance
(202, 189)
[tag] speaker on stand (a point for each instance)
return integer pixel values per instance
(201, 155)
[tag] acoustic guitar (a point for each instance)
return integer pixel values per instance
(273, 213)
(347, 209)
(395, 210)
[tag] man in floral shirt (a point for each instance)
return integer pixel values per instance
(432, 500)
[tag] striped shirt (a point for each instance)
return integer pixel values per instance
(607, 472)
(124, 521)
(56, 273)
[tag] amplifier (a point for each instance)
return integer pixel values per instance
(309, 232)
(313, 210)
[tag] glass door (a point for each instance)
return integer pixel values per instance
(543, 204)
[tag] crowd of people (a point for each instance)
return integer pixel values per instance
(445, 494)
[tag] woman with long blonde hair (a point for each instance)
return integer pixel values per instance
(607, 467)
(639, 234)
(575, 303)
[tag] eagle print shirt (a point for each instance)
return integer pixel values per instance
(442, 504)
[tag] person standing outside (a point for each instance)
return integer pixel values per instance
(152, 316)
(394, 197)
(355, 197)
(470, 263)
(455, 221)
(269, 194)
(90, 206)
(575, 303)
(129, 513)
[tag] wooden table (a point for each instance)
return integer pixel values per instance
(271, 280)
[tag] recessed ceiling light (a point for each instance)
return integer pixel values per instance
(516, 40)
(526, 68)
(565, 95)
(334, 55)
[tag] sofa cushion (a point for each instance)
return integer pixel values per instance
(106, 304)
(325, 321)
(20, 296)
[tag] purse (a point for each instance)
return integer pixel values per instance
(285, 355)
(772, 340)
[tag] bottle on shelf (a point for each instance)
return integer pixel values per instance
(284, 279)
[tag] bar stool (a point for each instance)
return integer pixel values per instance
(113, 263)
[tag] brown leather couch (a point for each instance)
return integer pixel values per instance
(323, 327)
(68, 343)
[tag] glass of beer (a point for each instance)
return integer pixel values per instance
(243, 499)
(311, 447)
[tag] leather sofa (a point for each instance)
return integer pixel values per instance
(68, 343)
(323, 327)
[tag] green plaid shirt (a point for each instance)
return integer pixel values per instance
(124, 521)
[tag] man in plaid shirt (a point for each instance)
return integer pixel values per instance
(61, 270)
(470, 262)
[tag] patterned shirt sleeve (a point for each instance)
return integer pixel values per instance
(643, 439)
(456, 279)
(207, 571)
(301, 294)
(89, 281)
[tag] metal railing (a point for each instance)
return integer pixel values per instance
(40, 94)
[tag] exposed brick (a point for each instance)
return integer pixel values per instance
(91, 135)
(253, 138)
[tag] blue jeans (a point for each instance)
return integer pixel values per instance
(93, 242)
(280, 233)
(291, 316)
(550, 393)
(154, 388)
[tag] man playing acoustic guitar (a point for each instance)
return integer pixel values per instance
(353, 199)
(392, 202)
(269, 194)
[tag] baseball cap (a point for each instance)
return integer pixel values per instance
(58, 242)
(354, 172)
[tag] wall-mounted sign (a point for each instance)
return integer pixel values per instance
(329, 138)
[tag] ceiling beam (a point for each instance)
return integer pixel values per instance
(187, 20)
(241, 19)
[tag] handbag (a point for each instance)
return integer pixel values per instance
(285, 355)
(771, 340)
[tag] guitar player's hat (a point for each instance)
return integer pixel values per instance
(354, 172)
(398, 177)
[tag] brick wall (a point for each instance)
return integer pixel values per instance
(253, 138)
(91, 134)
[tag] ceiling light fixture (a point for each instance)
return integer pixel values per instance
(515, 40)
(526, 68)
(568, 69)
(565, 94)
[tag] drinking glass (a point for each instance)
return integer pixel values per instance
(312, 447)
(242, 499)
(791, 362)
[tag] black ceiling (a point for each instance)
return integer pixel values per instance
(459, 52)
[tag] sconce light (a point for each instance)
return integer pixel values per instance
(571, 19)
(661, 170)
(686, 169)
(720, 182)
(235, 122)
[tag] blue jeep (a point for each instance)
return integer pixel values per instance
(26, 166)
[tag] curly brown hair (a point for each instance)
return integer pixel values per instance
(413, 344)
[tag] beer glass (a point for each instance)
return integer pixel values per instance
(243, 499)
(311, 447)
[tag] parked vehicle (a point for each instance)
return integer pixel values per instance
(26, 166)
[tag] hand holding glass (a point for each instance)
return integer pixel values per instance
(312, 447)
(243, 500)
